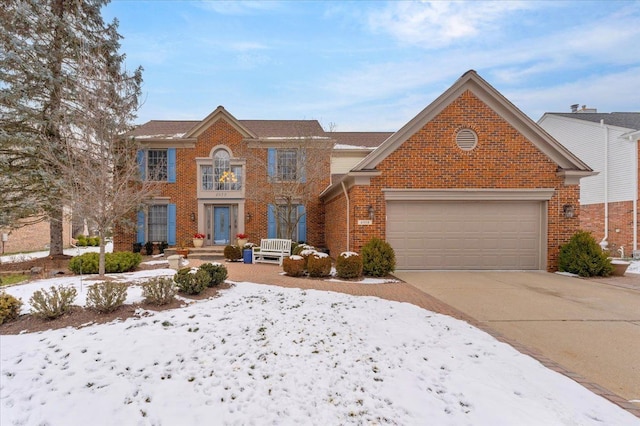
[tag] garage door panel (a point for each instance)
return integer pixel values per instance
(466, 235)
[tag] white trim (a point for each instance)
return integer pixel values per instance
(484, 194)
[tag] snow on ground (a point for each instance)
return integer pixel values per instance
(270, 355)
(634, 268)
(73, 251)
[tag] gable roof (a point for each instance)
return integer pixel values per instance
(354, 140)
(165, 129)
(628, 120)
(498, 103)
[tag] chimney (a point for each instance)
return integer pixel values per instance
(574, 108)
(587, 110)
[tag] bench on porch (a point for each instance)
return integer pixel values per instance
(271, 250)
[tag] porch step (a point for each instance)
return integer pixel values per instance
(214, 253)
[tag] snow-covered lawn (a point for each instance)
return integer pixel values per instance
(270, 355)
(74, 251)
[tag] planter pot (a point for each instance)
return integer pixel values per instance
(242, 242)
(198, 242)
(182, 252)
(619, 267)
(174, 261)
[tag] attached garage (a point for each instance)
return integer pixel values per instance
(471, 234)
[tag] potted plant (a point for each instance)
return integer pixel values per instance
(242, 239)
(198, 240)
(182, 249)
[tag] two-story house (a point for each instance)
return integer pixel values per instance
(609, 144)
(469, 183)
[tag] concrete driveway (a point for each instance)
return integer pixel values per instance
(587, 327)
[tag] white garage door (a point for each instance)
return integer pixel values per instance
(467, 234)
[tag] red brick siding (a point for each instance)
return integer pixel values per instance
(431, 159)
(34, 237)
(620, 217)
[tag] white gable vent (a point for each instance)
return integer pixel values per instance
(466, 139)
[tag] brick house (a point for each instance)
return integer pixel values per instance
(469, 183)
(609, 144)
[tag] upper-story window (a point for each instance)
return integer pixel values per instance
(287, 164)
(157, 164)
(221, 176)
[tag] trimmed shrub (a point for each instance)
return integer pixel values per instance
(159, 291)
(81, 240)
(582, 255)
(9, 307)
(232, 253)
(319, 265)
(293, 265)
(93, 241)
(217, 273)
(349, 265)
(298, 248)
(106, 296)
(122, 261)
(378, 258)
(54, 303)
(191, 281)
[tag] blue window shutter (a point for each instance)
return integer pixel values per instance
(171, 165)
(140, 158)
(302, 224)
(140, 226)
(171, 224)
(271, 222)
(271, 163)
(303, 166)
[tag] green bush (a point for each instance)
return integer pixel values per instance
(293, 265)
(217, 273)
(232, 253)
(93, 241)
(378, 258)
(298, 248)
(319, 265)
(106, 296)
(191, 283)
(54, 303)
(349, 265)
(81, 241)
(159, 291)
(122, 261)
(583, 256)
(9, 307)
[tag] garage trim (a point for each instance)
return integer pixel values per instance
(535, 194)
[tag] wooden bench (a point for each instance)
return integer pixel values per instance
(271, 250)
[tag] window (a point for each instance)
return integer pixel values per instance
(221, 176)
(157, 164)
(157, 224)
(206, 173)
(287, 221)
(287, 164)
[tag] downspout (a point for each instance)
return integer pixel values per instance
(346, 197)
(635, 198)
(604, 243)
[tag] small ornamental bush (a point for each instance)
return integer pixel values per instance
(191, 281)
(159, 291)
(378, 258)
(81, 240)
(9, 307)
(54, 303)
(349, 265)
(232, 253)
(298, 248)
(582, 255)
(319, 265)
(217, 273)
(293, 265)
(106, 296)
(122, 261)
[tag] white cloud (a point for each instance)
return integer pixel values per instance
(439, 23)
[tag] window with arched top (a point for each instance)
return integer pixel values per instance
(220, 174)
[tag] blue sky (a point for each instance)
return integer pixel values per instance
(374, 65)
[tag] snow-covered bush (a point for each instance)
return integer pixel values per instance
(293, 265)
(349, 265)
(216, 271)
(319, 265)
(159, 291)
(54, 303)
(191, 281)
(106, 296)
(9, 307)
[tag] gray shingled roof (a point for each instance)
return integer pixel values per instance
(629, 120)
(367, 139)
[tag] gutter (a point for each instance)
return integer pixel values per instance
(346, 197)
(604, 243)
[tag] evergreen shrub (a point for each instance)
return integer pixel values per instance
(232, 253)
(582, 255)
(378, 258)
(106, 296)
(217, 273)
(319, 265)
(349, 265)
(159, 290)
(121, 261)
(293, 265)
(191, 282)
(9, 307)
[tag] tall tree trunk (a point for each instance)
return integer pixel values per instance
(101, 262)
(55, 228)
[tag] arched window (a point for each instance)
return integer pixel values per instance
(222, 175)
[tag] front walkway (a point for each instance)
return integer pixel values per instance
(403, 292)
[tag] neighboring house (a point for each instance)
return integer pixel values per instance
(608, 143)
(33, 235)
(469, 183)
